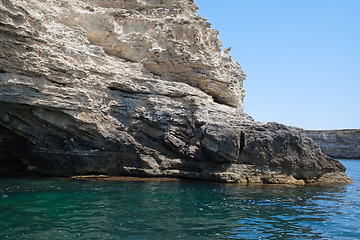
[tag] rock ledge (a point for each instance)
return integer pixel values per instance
(136, 88)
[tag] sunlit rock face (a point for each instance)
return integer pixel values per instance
(338, 143)
(136, 87)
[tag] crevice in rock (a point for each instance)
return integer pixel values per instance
(217, 100)
(242, 142)
(265, 180)
(59, 84)
(112, 88)
(131, 92)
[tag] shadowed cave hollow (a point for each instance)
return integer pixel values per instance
(13, 153)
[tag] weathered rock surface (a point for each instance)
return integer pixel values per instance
(338, 143)
(136, 88)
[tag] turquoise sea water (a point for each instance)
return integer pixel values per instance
(70, 209)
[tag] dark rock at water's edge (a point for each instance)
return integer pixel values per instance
(135, 88)
(344, 143)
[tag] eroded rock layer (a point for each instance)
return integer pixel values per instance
(338, 143)
(136, 88)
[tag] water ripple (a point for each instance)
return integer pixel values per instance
(63, 209)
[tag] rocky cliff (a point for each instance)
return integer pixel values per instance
(135, 87)
(338, 143)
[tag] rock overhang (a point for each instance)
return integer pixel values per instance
(138, 88)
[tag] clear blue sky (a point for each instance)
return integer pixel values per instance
(301, 57)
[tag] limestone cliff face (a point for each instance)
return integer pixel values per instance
(338, 143)
(136, 87)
